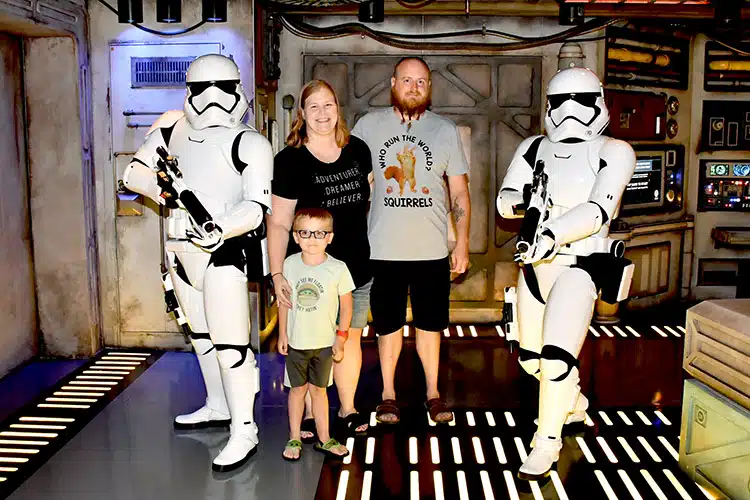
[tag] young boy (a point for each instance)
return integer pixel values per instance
(308, 335)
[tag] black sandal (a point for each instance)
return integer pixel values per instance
(308, 425)
(352, 421)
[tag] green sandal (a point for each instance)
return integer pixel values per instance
(294, 445)
(325, 448)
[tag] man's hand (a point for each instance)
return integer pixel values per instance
(207, 241)
(283, 344)
(460, 258)
(283, 290)
(338, 349)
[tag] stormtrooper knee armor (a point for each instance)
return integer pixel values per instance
(574, 178)
(227, 167)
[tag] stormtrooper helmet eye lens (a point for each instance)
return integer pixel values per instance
(557, 100)
(587, 99)
(227, 86)
(197, 88)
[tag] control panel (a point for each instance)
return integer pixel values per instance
(724, 186)
(656, 185)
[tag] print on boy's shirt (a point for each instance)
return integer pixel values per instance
(309, 291)
(404, 174)
(340, 188)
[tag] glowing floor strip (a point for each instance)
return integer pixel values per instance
(592, 330)
(633, 331)
(490, 418)
(588, 420)
(499, 450)
(143, 355)
(446, 333)
(520, 448)
(460, 331)
(413, 450)
(585, 449)
(473, 331)
(84, 388)
(621, 332)
(91, 383)
(437, 478)
(70, 400)
(605, 485)
(676, 484)
(478, 452)
(629, 485)
(625, 418)
(670, 330)
(22, 442)
(669, 448)
(406, 330)
(500, 331)
(20, 451)
(606, 418)
(414, 484)
(365, 331)
(561, 494)
(606, 330)
(662, 417)
(13, 460)
(55, 405)
(470, 419)
(8, 469)
(681, 329)
(463, 490)
(511, 485)
(74, 394)
(343, 482)
(706, 492)
(46, 419)
(434, 450)
(509, 419)
(649, 449)
(373, 420)
(643, 417)
(99, 371)
(486, 485)
(658, 330)
(626, 446)
(457, 459)
(99, 377)
(366, 485)
(118, 363)
(22, 434)
(607, 450)
(370, 451)
(655, 487)
(350, 447)
(38, 427)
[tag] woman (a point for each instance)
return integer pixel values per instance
(323, 166)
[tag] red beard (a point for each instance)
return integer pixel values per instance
(410, 108)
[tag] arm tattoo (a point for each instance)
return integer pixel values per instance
(458, 211)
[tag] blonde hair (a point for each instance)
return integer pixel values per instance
(298, 134)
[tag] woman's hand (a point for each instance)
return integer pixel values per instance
(283, 290)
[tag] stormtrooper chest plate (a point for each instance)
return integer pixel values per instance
(572, 172)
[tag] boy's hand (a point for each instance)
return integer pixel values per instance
(338, 349)
(283, 344)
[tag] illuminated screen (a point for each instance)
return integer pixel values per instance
(645, 187)
(741, 169)
(718, 169)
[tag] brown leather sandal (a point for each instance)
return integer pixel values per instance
(435, 407)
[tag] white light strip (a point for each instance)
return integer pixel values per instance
(500, 331)
(470, 419)
(681, 329)
(20, 451)
(434, 450)
(536, 491)
(561, 494)
(343, 482)
(446, 333)
(486, 485)
(585, 449)
(365, 331)
(140, 354)
(606, 418)
(671, 330)
(413, 458)
(437, 478)
(118, 363)
(70, 400)
(592, 330)
(706, 492)
(626, 446)
(29, 434)
(22, 442)
(456, 451)
(478, 452)
(406, 330)
(511, 485)
(55, 405)
(90, 383)
(629, 485)
(84, 388)
(633, 331)
(658, 330)
(499, 450)
(370, 451)
(366, 485)
(111, 357)
(521, 449)
(620, 331)
(509, 419)
(414, 485)
(430, 421)
(350, 447)
(588, 420)
(473, 331)
(605, 485)
(3, 479)
(39, 427)
(669, 448)
(607, 450)
(650, 480)
(8, 469)
(676, 484)
(490, 418)
(118, 368)
(104, 371)
(625, 418)
(463, 490)
(662, 417)
(373, 420)
(643, 417)
(459, 330)
(70, 393)
(99, 377)
(13, 460)
(46, 419)
(649, 449)
(606, 330)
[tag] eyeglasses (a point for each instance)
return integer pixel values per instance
(305, 234)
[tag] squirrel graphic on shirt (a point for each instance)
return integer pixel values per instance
(404, 173)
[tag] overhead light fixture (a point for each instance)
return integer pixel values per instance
(372, 11)
(130, 11)
(168, 11)
(571, 14)
(215, 11)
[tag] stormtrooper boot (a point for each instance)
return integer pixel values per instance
(241, 384)
(541, 459)
(578, 414)
(215, 413)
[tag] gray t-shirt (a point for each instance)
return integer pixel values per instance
(315, 300)
(409, 214)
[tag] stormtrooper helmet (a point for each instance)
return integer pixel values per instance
(575, 106)
(215, 97)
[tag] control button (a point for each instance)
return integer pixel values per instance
(670, 196)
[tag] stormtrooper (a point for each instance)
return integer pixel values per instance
(567, 185)
(225, 167)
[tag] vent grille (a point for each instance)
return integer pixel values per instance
(164, 72)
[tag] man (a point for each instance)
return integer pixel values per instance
(412, 149)
(226, 169)
(568, 256)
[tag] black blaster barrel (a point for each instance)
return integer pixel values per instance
(534, 212)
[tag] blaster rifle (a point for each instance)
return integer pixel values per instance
(173, 306)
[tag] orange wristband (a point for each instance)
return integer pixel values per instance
(343, 333)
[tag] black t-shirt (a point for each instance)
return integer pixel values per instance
(341, 188)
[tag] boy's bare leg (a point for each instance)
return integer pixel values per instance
(389, 349)
(308, 414)
(296, 410)
(320, 411)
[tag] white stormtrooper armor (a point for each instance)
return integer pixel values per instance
(228, 166)
(571, 257)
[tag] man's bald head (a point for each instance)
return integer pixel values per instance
(410, 60)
